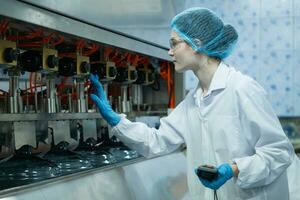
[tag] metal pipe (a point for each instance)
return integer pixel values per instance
(105, 88)
(110, 99)
(11, 105)
(137, 96)
(81, 105)
(70, 102)
(20, 101)
(51, 95)
(13, 93)
(42, 106)
(125, 102)
(78, 103)
(119, 109)
(86, 102)
(35, 102)
(57, 102)
(27, 97)
(6, 104)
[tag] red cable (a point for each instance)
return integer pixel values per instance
(32, 35)
(171, 84)
(60, 40)
(107, 53)
(35, 77)
(31, 44)
(30, 81)
(94, 48)
(47, 39)
(4, 27)
(80, 44)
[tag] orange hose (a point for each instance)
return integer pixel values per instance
(37, 33)
(66, 54)
(3, 27)
(94, 48)
(163, 71)
(31, 44)
(80, 44)
(47, 39)
(59, 41)
(115, 57)
(37, 85)
(107, 53)
(172, 88)
(135, 60)
(62, 84)
(166, 73)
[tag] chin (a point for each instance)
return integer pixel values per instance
(179, 69)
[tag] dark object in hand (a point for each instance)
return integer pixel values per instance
(207, 172)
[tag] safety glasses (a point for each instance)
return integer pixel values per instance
(174, 43)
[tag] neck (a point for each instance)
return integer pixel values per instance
(205, 72)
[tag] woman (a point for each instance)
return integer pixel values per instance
(226, 121)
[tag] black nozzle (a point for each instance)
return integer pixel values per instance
(10, 55)
(52, 61)
(66, 67)
(112, 71)
(31, 61)
(85, 67)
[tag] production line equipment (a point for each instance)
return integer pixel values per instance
(49, 126)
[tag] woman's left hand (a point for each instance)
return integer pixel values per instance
(225, 172)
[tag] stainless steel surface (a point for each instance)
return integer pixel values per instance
(137, 95)
(35, 102)
(65, 179)
(51, 94)
(45, 116)
(13, 93)
(33, 128)
(20, 101)
(29, 13)
(89, 129)
(61, 131)
(24, 134)
(70, 106)
(57, 103)
(141, 179)
(86, 96)
(179, 88)
(125, 108)
(12, 105)
(105, 88)
(81, 104)
(148, 20)
(119, 107)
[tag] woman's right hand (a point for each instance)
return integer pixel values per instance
(102, 103)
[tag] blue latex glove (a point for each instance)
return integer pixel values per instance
(225, 173)
(101, 102)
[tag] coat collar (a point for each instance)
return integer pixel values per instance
(219, 80)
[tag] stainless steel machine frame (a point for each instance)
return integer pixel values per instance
(28, 12)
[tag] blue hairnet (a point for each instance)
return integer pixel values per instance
(205, 32)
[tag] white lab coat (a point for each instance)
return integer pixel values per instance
(234, 122)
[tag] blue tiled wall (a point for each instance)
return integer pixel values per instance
(269, 45)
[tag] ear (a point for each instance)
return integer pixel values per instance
(197, 42)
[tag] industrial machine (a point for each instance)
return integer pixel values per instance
(50, 130)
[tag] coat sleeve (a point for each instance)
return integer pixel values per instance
(150, 141)
(272, 150)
